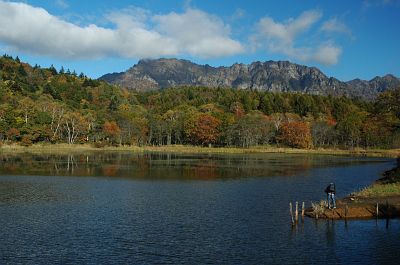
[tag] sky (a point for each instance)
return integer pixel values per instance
(345, 39)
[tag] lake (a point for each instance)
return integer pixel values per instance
(124, 208)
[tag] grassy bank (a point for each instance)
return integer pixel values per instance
(388, 185)
(65, 148)
(379, 190)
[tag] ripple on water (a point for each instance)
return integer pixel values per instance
(167, 210)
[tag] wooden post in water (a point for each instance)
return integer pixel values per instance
(291, 212)
(297, 212)
(387, 214)
(302, 210)
(377, 210)
(387, 209)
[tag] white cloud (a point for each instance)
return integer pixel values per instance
(287, 32)
(282, 37)
(327, 54)
(137, 34)
(207, 35)
(62, 3)
(335, 26)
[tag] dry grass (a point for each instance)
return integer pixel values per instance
(66, 148)
(319, 207)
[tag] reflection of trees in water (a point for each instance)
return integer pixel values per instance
(110, 170)
(90, 164)
(201, 170)
(165, 166)
(31, 164)
(226, 166)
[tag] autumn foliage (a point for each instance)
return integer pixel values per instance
(206, 129)
(13, 133)
(112, 132)
(43, 105)
(111, 129)
(296, 134)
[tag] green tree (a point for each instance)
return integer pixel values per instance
(349, 129)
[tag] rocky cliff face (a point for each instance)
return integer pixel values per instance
(280, 76)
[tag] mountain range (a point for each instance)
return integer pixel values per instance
(275, 76)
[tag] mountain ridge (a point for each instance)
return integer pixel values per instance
(275, 76)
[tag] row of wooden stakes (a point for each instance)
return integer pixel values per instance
(295, 216)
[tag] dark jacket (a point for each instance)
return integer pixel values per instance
(331, 188)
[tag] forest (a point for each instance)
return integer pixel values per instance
(46, 105)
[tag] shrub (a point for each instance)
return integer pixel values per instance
(99, 144)
(26, 140)
(319, 207)
(13, 134)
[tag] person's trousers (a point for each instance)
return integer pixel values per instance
(331, 200)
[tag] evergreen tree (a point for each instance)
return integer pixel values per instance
(53, 70)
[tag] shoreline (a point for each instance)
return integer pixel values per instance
(76, 148)
(381, 199)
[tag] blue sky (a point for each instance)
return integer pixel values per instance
(345, 39)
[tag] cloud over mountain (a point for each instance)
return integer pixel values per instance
(139, 33)
(282, 37)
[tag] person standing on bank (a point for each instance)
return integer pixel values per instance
(331, 191)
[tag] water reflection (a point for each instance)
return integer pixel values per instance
(167, 166)
(330, 233)
(75, 220)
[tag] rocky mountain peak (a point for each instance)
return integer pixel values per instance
(277, 76)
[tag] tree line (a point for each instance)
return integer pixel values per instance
(45, 105)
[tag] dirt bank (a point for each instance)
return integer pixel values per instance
(361, 208)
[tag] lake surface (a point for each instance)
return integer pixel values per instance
(121, 208)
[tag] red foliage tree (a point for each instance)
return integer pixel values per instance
(206, 129)
(13, 134)
(296, 134)
(111, 129)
